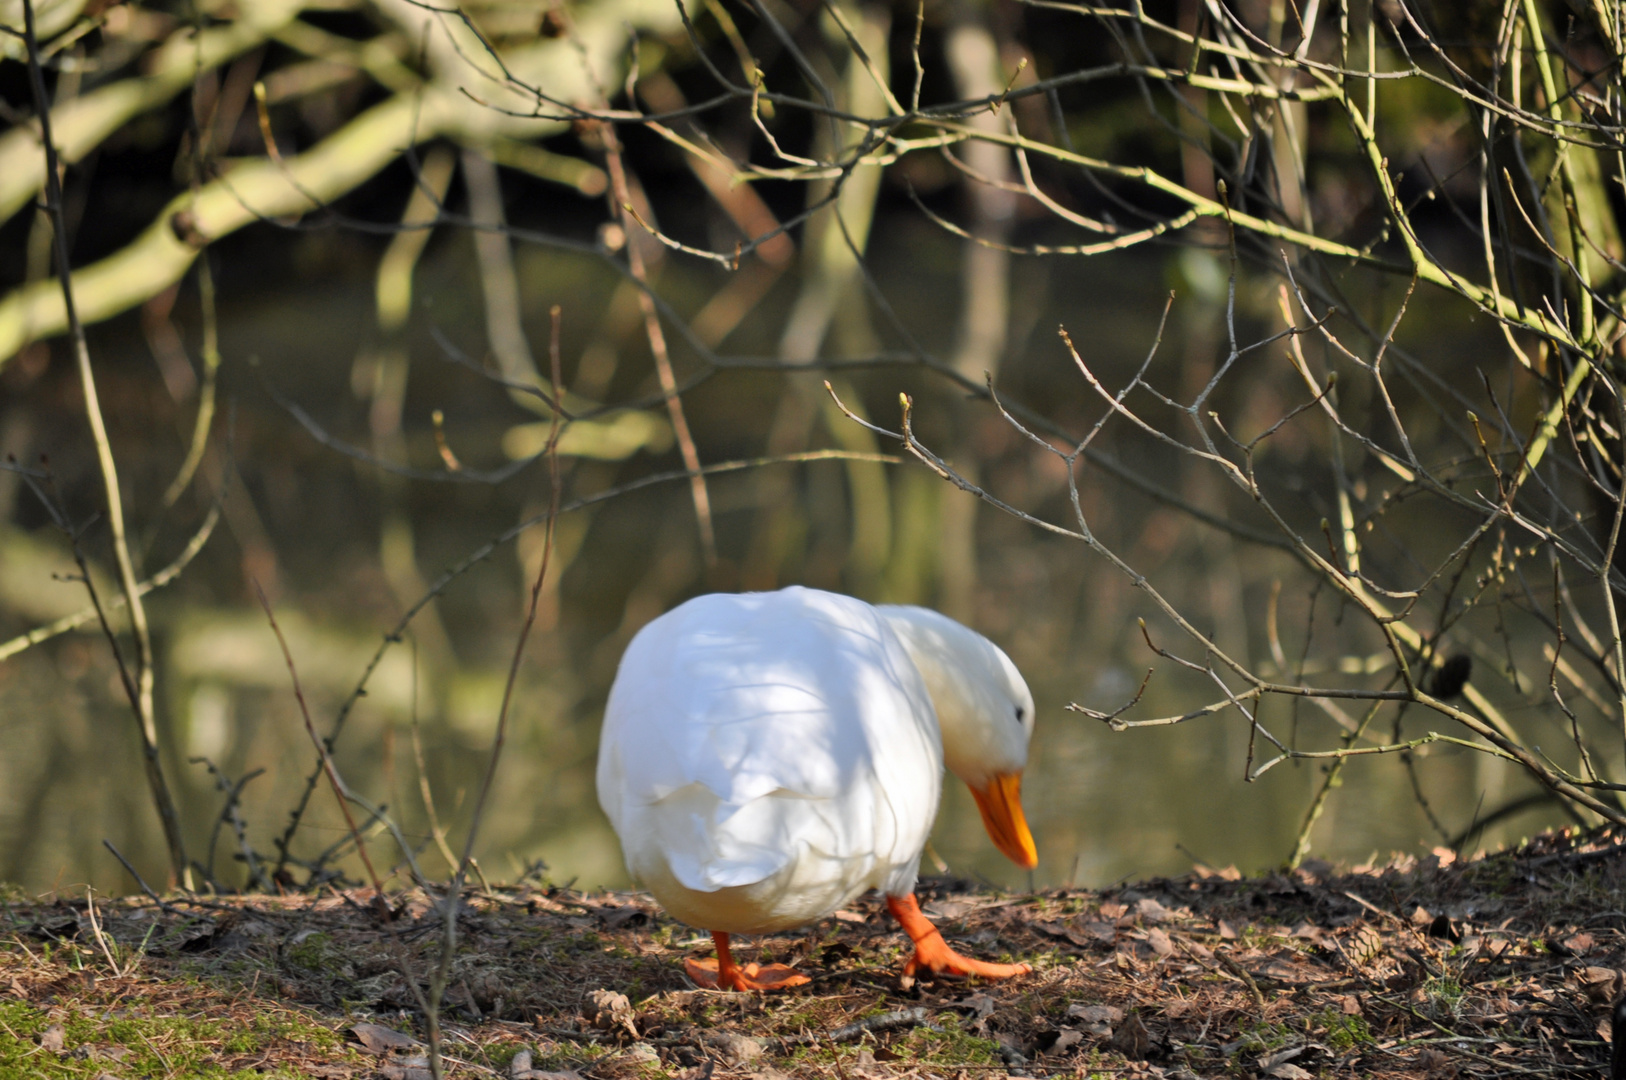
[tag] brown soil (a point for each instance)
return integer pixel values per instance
(1503, 965)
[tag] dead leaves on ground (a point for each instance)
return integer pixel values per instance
(1430, 969)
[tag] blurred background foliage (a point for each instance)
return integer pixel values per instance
(318, 244)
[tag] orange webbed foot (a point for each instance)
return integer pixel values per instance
(942, 960)
(932, 952)
(707, 976)
(721, 973)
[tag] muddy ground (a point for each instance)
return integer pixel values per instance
(1504, 965)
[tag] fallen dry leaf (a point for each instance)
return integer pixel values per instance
(1132, 1039)
(1281, 1057)
(1152, 911)
(1436, 1064)
(1280, 1065)
(736, 1049)
(1289, 1071)
(617, 917)
(380, 1039)
(1285, 972)
(1064, 933)
(404, 1072)
(1066, 1039)
(1095, 1014)
(1600, 983)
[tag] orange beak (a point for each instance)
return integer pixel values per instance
(1001, 806)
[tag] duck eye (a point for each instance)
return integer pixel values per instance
(1020, 713)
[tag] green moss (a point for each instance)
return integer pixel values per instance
(317, 953)
(570, 1058)
(1267, 1037)
(1345, 1032)
(180, 1047)
(498, 1057)
(944, 1044)
(947, 1043)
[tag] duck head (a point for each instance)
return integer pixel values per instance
(985, 714)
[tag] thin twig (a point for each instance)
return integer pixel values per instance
(452, 901)
(621, 206)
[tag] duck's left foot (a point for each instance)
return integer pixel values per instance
(723, 973)
(932, 952)
(707, 974)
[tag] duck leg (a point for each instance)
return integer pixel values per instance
(932, 952)
(723, 974)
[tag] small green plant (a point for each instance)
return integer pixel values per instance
(1444, 995)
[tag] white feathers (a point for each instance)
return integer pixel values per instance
(768, 756)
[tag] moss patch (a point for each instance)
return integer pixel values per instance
(179, 1030)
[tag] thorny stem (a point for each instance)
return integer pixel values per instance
(1334, 777)
(141, 697)
(168, 574)
(340, 792)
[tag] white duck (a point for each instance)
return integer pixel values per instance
(766, 757)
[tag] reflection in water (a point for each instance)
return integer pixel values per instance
(1103, 806)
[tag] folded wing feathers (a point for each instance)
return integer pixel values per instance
(761, 722)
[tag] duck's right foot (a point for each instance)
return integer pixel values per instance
(932, 952)
(942, 960)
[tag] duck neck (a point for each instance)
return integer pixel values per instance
(967, 749)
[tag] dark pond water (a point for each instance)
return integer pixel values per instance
(343, 547)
